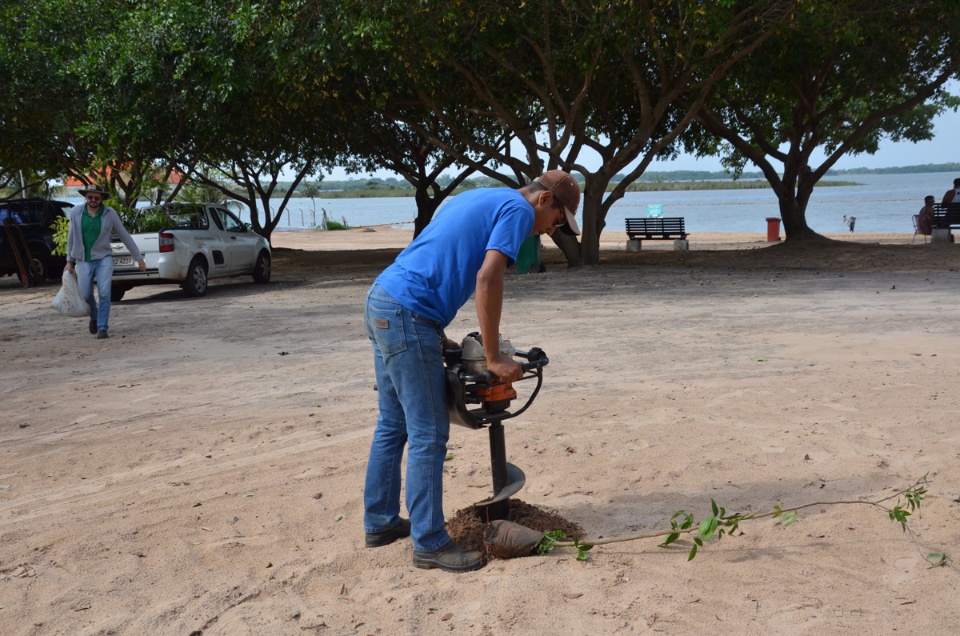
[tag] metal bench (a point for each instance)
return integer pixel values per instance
(946, 215)
(656, 229)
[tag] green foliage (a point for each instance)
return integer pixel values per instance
(233, 95)
(826, 95)
(719, 523)
(309, 189)
(198, 193)
(549, 541)
(676, 186)
(144, 221)
(60, 227)
(685, 523)
(581, 548)
(369, 194)
(914, 496)
(552, 537)
(334, 225)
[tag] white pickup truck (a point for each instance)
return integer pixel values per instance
(203, 241)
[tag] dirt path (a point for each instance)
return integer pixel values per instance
(201, 470)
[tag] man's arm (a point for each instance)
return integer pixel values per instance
(489, 308)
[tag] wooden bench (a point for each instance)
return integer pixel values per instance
(946, 215)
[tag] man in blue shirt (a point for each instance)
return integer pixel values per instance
(466, 248)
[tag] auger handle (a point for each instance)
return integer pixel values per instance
(535, 357)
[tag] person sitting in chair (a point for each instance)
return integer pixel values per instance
(925, 222)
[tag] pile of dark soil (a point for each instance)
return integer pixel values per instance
(467, 526)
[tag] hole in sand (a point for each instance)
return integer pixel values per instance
(468, 526)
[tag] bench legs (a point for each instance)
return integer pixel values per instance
(633, 245)
(941, 235)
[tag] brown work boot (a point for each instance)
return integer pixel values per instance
(386, 537)
(450, 557)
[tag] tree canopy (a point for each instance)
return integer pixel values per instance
(238, 95)
(837, 78)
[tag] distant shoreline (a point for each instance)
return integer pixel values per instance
(650, 181)
(640, 186)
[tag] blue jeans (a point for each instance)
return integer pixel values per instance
(102, 271)
(408, 360)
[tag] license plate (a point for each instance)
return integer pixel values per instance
(123, 261)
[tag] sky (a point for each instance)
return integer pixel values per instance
(943, 148)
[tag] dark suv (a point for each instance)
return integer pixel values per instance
(34, 218)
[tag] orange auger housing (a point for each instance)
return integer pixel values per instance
(470, 383)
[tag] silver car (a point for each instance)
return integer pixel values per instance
(198, 242)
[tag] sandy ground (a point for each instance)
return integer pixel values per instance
(201, 471)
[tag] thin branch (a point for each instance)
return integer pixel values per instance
(777, 512)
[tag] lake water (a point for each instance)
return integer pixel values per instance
(883, 204)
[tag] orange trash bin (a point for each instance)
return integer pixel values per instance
(773, 229)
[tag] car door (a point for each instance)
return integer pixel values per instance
(240, 244)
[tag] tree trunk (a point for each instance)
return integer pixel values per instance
(570, 248)
(794, 220)
(594, 220)
(793, 194)
(426, 207)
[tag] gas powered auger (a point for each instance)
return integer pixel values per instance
(469, 383)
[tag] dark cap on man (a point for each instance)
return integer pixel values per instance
(567, 192)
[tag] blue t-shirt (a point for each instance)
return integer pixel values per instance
(437, 273)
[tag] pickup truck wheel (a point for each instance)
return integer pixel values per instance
(261, 271)
(39, 270)
(117, 292)
(196, 283)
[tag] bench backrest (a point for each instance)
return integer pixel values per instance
(656, 224)
(946, 214)
(662, 228)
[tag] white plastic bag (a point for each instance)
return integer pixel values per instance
(68, 300)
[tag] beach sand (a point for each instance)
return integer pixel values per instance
(381, 237)
(201, 471)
